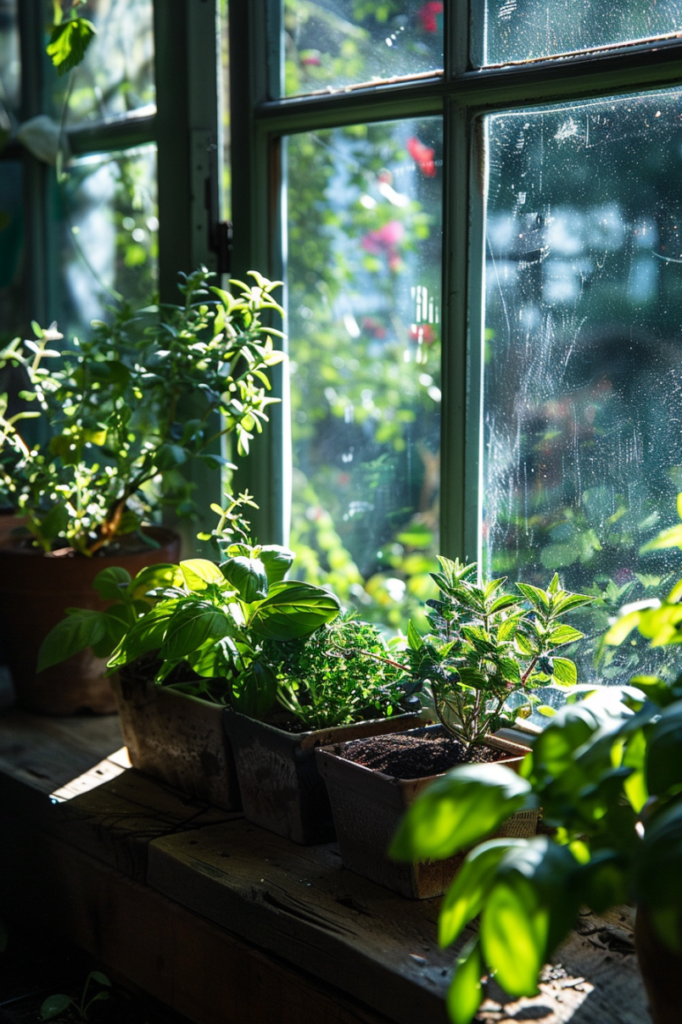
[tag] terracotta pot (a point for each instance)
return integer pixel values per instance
(278, 779)
(661, 969)
(367, 806)
(35, 589)
(177, 738)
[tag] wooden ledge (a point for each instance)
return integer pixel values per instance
(135, 872)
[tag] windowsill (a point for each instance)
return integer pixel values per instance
(294, 903)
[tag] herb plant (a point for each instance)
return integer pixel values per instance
(485, 647)
(77, 1009)
(130, 406)
(341, 673)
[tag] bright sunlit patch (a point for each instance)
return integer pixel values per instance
(105, 771)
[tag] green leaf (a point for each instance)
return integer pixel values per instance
(453, 813)
(277, 561)
(54, 523)
(199, 572)
(146, 635)
(414, 639)
(570, 601)
(248, 577)
(506, 601)
(664, 751)
(465, 993)
(671, 538)
(255, 692)
(514, 932)
(100, 978)
(111, 583)
(538, 598)
(293, 609)
(564, 635)
(163, 574)
(191, 627)
(656, 690)
(564, 672)
(81, 628)
(69, 42)
(54, 1005)
(465, 897)
(621, 628)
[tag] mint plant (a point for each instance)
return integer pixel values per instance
(486, 646)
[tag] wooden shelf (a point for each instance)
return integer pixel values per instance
(225, 921)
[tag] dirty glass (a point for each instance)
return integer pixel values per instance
(108, 235)
(117, 75)
(10, 65)
(225, 125)
(582, 428)
(520, 30)
(331, 44)
(363, 277)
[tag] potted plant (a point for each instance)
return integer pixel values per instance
(607, 771)
(123, 412)
(337, 684)
(188, 639)
(486, 652)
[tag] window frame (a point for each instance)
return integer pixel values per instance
(464, 95)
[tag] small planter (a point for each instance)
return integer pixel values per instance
(280, 786)
(35, 590)
(368, 805)
(177, 738)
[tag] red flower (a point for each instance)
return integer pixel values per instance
(422, 156)
(428, 15)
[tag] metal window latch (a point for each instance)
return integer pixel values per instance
(211, 236)
(220, 242)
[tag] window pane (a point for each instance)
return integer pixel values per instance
(517, 30)
(582, 453)
(364, 239)
(11, 249)
(225, 125)
(117, 74)
(336, 43)
(10, 66)
(108, 235)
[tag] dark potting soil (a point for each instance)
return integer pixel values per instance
(416, 756)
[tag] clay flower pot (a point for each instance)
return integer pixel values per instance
(35, 590)
(368, 804)
(279, 782)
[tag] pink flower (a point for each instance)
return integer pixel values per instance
(428, 15)
(385, 239)
(422, 156)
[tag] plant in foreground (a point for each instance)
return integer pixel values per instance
(126, 409)
(77, 1009)
(485, 648)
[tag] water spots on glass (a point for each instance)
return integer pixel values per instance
(582, 427)
(333, 44)
(364, 243)
(511, 31)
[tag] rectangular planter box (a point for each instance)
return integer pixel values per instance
(280, 786)
(367, 806)
(178, 739)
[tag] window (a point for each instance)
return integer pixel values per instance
(475, 211)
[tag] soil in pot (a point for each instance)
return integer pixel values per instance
(35, 590)
(371, 784)
(175, 737)
(279, 781)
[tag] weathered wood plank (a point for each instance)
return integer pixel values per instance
(381, 948)
(200, 970)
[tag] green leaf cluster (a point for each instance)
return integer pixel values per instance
(69, 41)
(486, 645)
(128, 407)
(344, 672)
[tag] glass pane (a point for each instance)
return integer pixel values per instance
(582, 457)
(117, 74)
(519, 30)
(364, 269)
(336, 43)
(225, 106)
(11, 250)
(109, 232)
(10, 64)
